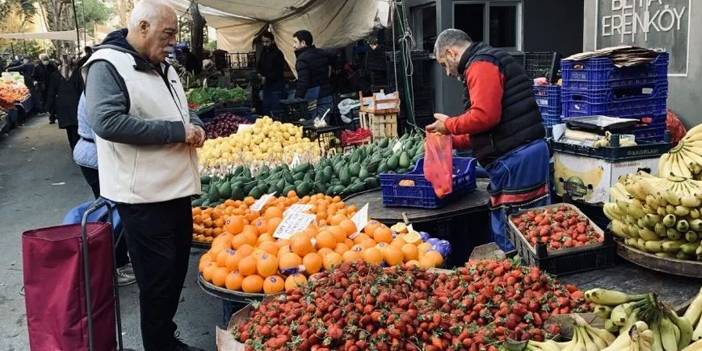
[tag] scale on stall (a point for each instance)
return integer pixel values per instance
(592, 152)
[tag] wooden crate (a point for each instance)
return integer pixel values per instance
(380, 103)
(380, 125)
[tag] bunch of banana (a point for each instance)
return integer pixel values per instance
(668, 331)
(585, 338)
(685, 159)
(662, 216)
(694, 315)
(695, 346)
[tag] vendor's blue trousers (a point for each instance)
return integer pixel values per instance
(519, 179)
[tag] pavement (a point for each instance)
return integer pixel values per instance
(39, 183)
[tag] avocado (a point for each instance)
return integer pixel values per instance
(354, 169)
(237, 193)
(363, 173)
(371, 182)
(304, 188)
(393, 162)
(344, 176)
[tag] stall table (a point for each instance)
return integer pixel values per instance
(465, 223)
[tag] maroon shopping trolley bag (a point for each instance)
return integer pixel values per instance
(65, 267)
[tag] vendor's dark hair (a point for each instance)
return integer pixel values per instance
(304, 35)
(268, 35)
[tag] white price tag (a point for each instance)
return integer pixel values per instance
(360, 219)
(293, 223)
(262, 201)
(297, 208)
(243, 127)
(295, 161)
(397, 147)
(410, 229)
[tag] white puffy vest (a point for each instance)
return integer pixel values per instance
(135, 174)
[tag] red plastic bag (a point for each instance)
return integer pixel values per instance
(438, 163)
(675, 127)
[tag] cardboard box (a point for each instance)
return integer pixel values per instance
(589, 179)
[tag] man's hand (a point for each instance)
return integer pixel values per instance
(194, 135)
(438, 125)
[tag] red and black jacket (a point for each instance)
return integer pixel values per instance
(501, 113)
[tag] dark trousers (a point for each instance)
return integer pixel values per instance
(73, 137)
(272, 93)
(159, 236)
(91, 176)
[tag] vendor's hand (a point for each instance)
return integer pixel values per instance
(202, 136)
(438, 126)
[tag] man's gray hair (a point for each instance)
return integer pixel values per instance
(146, 10)
(448, 38)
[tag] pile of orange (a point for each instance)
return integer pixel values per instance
(210, 222)
(247, 258)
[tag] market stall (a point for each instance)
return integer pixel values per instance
(15, 101)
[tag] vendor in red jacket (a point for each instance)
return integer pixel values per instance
(501, 124)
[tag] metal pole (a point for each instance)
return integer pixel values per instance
(75, 20)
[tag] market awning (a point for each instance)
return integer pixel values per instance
(67, 35)
(333, 23)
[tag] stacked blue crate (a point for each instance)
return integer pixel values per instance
(597, 87)
(548, 98)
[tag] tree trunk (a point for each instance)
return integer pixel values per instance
(196, 34)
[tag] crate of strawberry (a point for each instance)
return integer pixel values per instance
(560, 239)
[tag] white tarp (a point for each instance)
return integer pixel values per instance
(68, 35)
(333, 23)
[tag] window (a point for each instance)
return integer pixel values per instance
(424, 26)
(497, 22)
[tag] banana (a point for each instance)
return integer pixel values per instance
(692, 132)
(659, 228)
(694, 311)
(668, 338)
(647, 234)
(651, 201)
(694, 213)
(671, 246)
(661, 211)
(654, 246)
(696, 346)
(669, 220)
(663, 165)
(697, 333)
(685, 328)
(548, 345)
(611, 211)
(681, 210)
(673, 234)
(611, 297)
(602, 311)
(691, 155)
(603, 334)
(620, 313)
(682, 226)
(657, 344)
(692, 236)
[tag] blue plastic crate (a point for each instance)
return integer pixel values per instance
(551, 119)
(422, 193)
(654, 132)
(638, 108)
(601, 73)
(630, 93)
(548, 98)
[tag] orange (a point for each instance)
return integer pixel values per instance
(311, 231)
(270, 247)
(219, 276)
(341, 248)
(368, 243)
(360, 238)
(283, 243)
(250, 238)
(382, 247)
(209, 271)
(261, 225)
(338, 232)
(283, 250)
(294, 281)
(245, 250)
(412, 263)
(382, 234)
(409, 252)
(423, 248)
(301, 245)
(273, 284)
(398, 243)
(426, 262)
(232, 261)
(332, 260)
(273, 212)
(312, 262)
(234, 224)
(292, 193)
(267, 265)
(326, 239)
(324, 251)
(204, 260)
(337, 219)
(247, 265)
(358, 248)
(351, 256)
(393, 256)
(348, 226)
(289, 261)
(249, 200)
(272, 224)
(233, 281)
(252, 284)
(435, 256)
(250, 229)
(336, 199)
(348, 242)
(222, 257)
(373, 255)
(265, 237)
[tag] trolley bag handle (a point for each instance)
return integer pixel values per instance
(96, 205)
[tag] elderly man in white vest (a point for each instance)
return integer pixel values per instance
(146, 140)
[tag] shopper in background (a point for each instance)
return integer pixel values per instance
(26, 68)
(85, 156)
(270, 67)
(64, 89)
(146, 144)
(313, 69)
(501, 124)
(40, 76)
(375, 65)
